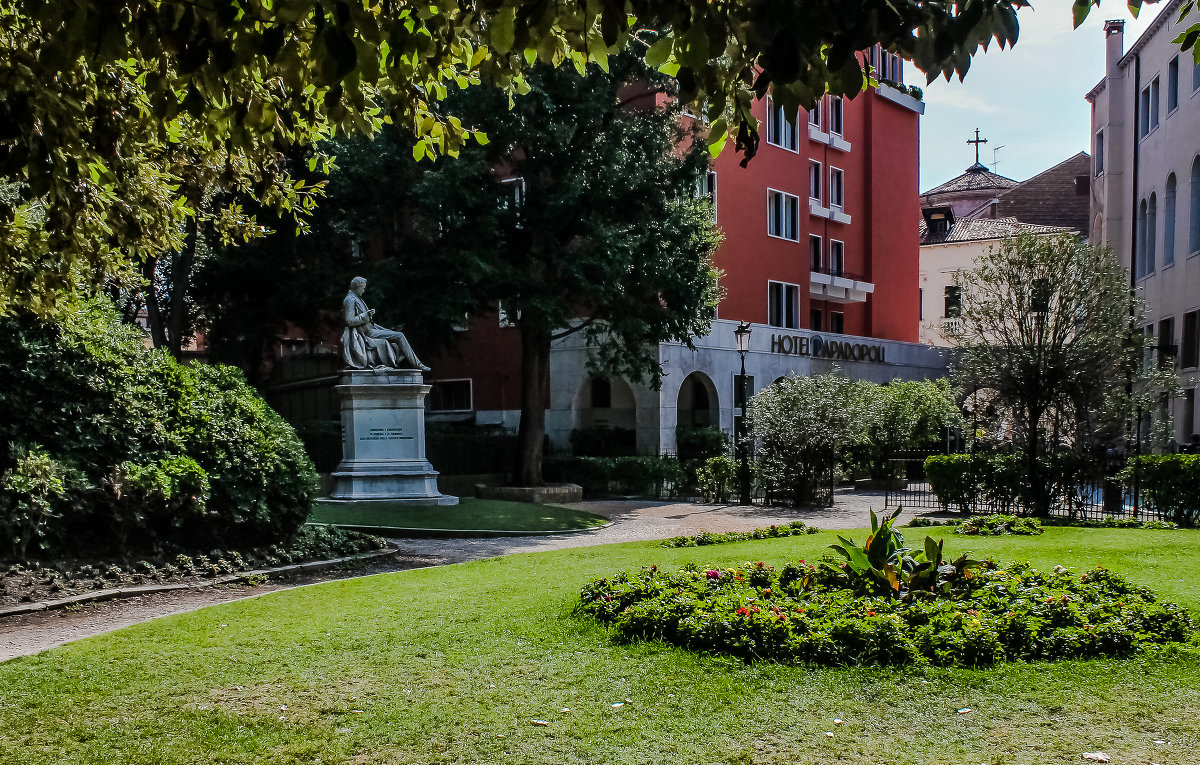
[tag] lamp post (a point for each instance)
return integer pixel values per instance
(742, 335)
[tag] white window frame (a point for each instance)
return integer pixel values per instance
(470, 395)
(786, 288)
(820, 252)
(794, 234)
(838, 203)
(837, 116)
(837, 265)
(517, 194)
(707, 186)
(815, 116)
(818, 175)
(505, 321)
(787, 135)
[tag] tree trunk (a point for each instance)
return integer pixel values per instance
(535, 370)
(158, 331)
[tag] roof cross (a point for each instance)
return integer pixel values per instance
(977, 141)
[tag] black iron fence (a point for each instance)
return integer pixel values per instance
(1089, 499)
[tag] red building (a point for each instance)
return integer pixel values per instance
(820, 255)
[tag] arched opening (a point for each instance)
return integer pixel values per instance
(1169, 221)
(1194, 210)
(605, 419)
(1139, 249)
(605, 403)
(697, 403)
(1152, 235)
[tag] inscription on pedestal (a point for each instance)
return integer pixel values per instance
(385, 434)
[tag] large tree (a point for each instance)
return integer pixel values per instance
(1050, 330)
(103, 104)
(579, 216)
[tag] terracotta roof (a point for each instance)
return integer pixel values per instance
(982, 229)
(977, 178)
(1059, 196)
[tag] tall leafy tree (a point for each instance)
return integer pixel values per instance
(579, 216)
(1052, 332)
(98, 99)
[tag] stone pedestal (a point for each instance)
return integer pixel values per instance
(383, 440)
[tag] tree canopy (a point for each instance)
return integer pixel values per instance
(122, 120)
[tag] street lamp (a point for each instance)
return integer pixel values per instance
(742, 335)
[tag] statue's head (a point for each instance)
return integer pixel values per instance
(357, 285)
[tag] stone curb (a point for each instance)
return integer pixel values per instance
(418, 533)
(153, 589)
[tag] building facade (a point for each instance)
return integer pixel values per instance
(820, 257)
(1145, 199)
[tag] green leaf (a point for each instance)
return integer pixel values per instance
(660, 51)
(502, 30)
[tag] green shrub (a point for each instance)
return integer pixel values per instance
(603, 442)
(716, 478)
(468, 451)
(1171, 484)
(88, 393)
(622, 476)
(28, 492)
(807, 614)
(705, 538)
(1001, 481)
(999, 525)
(700, 443)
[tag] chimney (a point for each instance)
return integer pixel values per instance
(1114, 45)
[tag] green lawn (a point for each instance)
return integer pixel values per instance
(452, 665)
(469, 515)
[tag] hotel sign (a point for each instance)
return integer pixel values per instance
(817, 347)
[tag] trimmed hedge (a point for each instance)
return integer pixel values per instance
(618, 476)
(1170, 483)
(1001, 482)
(152, 455)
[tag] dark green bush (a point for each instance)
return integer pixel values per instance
(619, 476)
(159, 454)
(814, 615)
(1001, 482)
(469, 451)
(700, 443)
(999, 525)
(603, 442)
(1171, 483)
(705, 538)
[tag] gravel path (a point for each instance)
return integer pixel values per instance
(633, 520)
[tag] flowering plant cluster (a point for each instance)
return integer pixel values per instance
(795, 528)
(805, 613)
(999, 525)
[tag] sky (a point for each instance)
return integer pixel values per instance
(1027, 99)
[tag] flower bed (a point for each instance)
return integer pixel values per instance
(34, 581)
(822, 614)
(999, 525)
(795, 528)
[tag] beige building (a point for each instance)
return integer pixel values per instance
(950, 245)
(1146, 188)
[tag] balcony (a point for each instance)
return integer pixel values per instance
(837, 286)
(833, 213)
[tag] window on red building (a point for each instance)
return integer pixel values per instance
(837, 322)
(836, 188)
(814, 252)
(783, 215)
(837, 257)
(814, 319)
(835, 115)
(783, 305)
(450, 396)
(781, 132)
(814, 180)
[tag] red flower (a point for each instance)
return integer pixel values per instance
(713, 574)
(870, 613)
(743, 611)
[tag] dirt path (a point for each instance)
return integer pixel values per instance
(633, 520)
